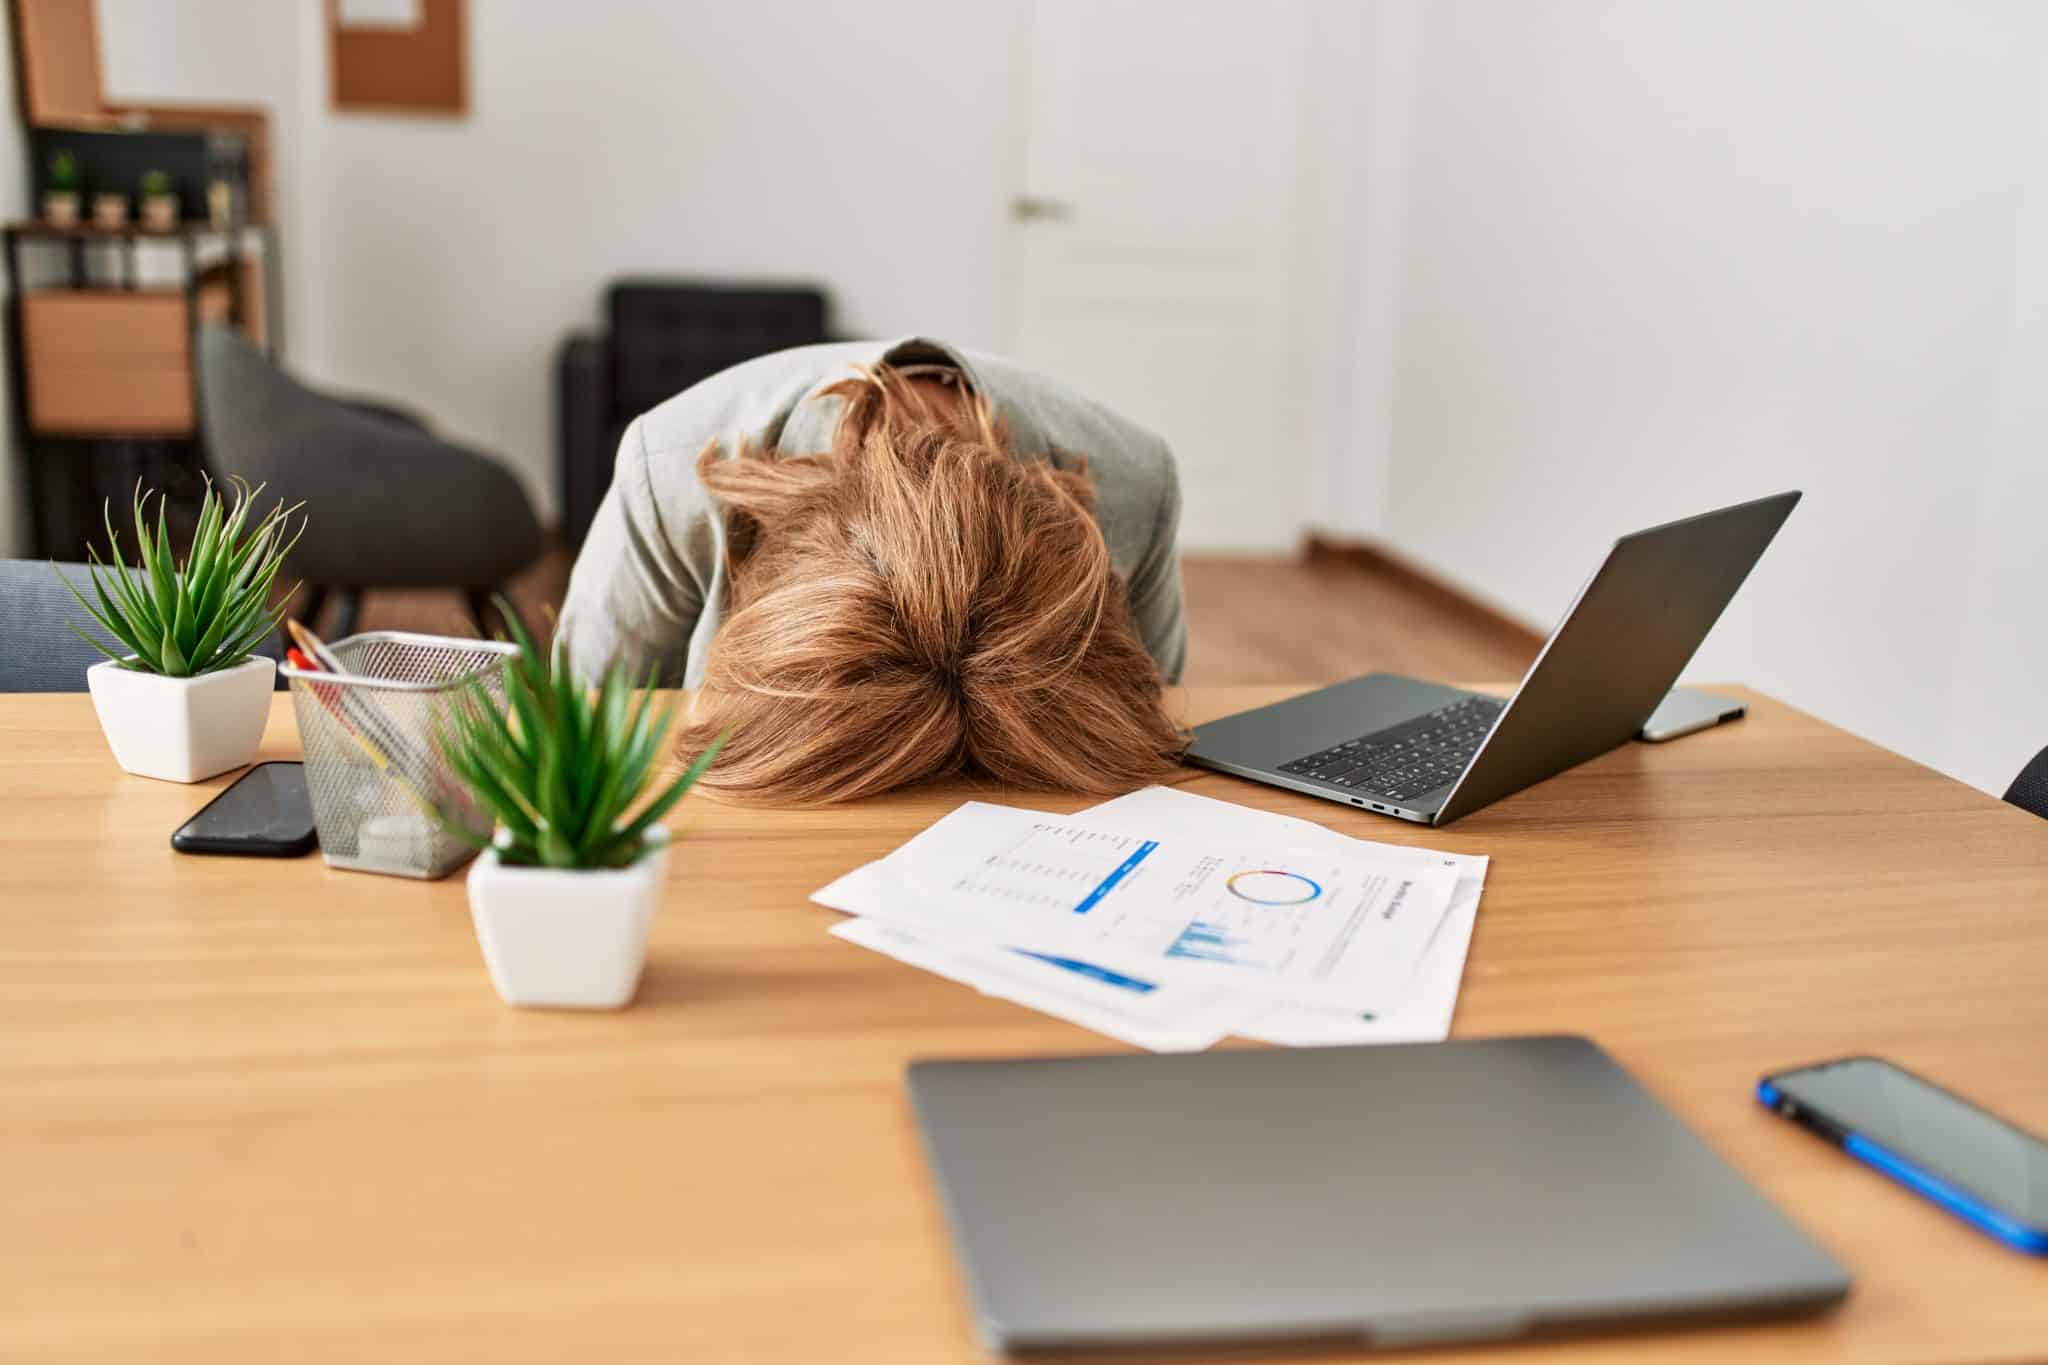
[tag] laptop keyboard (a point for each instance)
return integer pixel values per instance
(1405, 760)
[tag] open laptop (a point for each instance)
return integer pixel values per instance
(1423, 751)
(1402, 1195)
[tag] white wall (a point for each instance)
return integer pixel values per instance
(874, 147)
(1653, 258)
(440, 262)
(1998, 706)
(1361, 108)
(255, 52)
(863, 145)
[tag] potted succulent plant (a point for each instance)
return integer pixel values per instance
(110, 210)
(159, 201)
(189, 700)
(60, 190)
(566, 888)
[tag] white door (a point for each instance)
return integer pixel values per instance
(1150, 260)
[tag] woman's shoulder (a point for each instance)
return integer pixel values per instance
(752, 400)
(757, 399)
(772, 402)
(1051, 416)
(1137, 490)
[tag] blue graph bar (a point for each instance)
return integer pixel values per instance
(1205, 942)
(1108, 884)
(1091, 971)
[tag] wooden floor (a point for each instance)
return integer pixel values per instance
(1290, 620)
(1250, 620)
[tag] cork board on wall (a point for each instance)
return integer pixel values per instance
(398, 57)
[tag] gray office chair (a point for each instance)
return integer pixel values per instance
(38, 650)
(388, 504)
(2029, 791)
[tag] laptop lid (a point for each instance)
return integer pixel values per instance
(1631, 631)
(1402, 1194)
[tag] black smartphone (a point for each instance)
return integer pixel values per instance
(265, 814)
(1978, 1166)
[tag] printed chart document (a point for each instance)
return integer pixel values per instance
(1177, 1014)
(1325, 926)
(1173, 1013)
(1424, 1011)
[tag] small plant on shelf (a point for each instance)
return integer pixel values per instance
(565, 891)
(60, 190)
(189, 698)
(109, 210)
(159, 201)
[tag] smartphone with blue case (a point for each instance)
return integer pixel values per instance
(1978, 1166)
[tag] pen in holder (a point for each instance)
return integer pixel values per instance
(371, 765)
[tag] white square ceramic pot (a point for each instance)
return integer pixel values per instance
(183, 729)
(566, 940)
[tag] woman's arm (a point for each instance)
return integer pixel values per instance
(632, 597)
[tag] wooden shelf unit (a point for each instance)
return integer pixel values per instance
(101, 379)
(104, 362)
(94, 362)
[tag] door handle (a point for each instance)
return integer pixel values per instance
(1026, 208)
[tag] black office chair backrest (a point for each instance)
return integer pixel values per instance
(667, 335)
(257, 420)
(39, 652)
(2029, 791)
(388, 504)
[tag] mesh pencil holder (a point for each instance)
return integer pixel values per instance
(368, 737)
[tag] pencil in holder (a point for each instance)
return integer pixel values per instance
(372, 767)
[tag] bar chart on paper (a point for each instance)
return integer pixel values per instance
(1167, 920)
(1205, 942)
(1056, 867)
(1313, 923)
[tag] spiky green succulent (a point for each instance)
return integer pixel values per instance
(207, 612)
(558, 766)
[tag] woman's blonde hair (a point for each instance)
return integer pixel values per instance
(916, 603)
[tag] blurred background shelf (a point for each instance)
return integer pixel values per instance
(100, 361)
(101, 315)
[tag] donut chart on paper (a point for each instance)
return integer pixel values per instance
(1272, 886)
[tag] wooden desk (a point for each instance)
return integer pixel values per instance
(262, 1111)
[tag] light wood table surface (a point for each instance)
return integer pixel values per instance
(264, 1111)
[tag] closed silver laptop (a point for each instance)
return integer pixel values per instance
(1423, 751)
(1393, 1195)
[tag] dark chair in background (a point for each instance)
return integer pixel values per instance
(388, 504)
(39, 651)
(661, 337)
(2029, 791)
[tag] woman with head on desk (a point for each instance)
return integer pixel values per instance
(890, 562)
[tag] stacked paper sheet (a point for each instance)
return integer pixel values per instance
(1171, 921)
